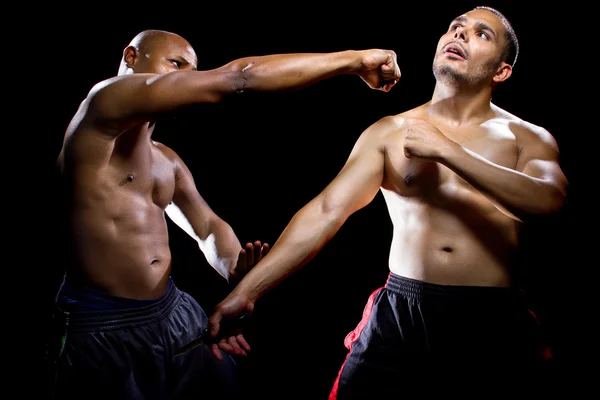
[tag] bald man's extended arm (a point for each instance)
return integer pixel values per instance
(126, 100)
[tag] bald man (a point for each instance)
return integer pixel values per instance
(120, 318)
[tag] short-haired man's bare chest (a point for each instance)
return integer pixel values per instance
(493, 141)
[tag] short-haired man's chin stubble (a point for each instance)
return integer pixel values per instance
(446, 75)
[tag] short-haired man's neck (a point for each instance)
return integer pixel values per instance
(460, 100)
(460, 104)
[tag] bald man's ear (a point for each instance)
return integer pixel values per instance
(503, 73)
(130, 55)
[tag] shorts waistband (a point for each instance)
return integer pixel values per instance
(418, 290)
(116, 319)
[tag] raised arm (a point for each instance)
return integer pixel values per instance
(378, 68)
(536, 186)
(125, 100)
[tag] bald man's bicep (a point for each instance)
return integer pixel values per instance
(131, 99)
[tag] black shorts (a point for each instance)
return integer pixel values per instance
(129, 353)
(416, 334)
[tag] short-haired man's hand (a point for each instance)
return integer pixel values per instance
(225, 325)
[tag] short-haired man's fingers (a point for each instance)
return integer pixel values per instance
(214, 323)
(214, 348)
(235, 347)
(224, 345)
(242, 342)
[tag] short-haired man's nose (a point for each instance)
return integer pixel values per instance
(459, 33)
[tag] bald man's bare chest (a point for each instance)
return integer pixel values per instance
(413, 177)
(145, 173)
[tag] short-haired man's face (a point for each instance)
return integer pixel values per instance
(471, 48)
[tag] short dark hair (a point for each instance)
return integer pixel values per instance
(511, 49)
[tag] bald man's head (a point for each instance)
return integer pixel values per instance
(157, 51)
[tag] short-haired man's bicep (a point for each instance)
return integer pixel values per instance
(539, 158)
(548, 171)
(357, 183)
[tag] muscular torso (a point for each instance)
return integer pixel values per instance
(445, 231)
(117, 191)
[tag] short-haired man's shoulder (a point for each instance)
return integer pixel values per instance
(521, 127)
(385, 126)
(397, 121)
(381, 128)
(394, 121)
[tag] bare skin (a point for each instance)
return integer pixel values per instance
(460, 176)
(119, 183)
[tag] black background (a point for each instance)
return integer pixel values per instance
(257, 159)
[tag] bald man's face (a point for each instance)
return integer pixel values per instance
(163, 54)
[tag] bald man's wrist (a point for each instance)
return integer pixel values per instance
(352, 61)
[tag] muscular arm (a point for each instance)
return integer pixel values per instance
(318, 221)
(126, 100)
(536, 187)
(191, 213)
(291, 71)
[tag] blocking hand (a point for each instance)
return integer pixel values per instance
(248, 257)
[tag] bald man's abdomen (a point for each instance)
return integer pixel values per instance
(124, 253)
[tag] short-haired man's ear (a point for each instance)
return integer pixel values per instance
(503, 73)
(130, 55)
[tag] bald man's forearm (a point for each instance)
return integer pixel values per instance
(290, 71)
